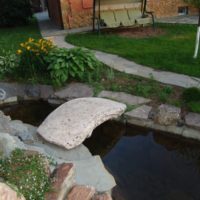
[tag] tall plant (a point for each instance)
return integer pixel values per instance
(196, 3)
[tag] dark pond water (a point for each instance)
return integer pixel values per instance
(148, 165)
(145, 164)
(31, 112)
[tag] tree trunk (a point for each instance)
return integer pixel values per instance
(197, 38)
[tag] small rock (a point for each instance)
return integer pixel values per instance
(193, 120)
(32, 91)
(167, 115)
(104, 196)
(141, 112)
(10, 100)
(9, 143)
(63, 180)
(46, 91)
(21, 130)
(79, 192)
(74, 90)
(124, 97)
(56, 101)
(6, 193)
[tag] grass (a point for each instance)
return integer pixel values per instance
(171, 51)
(10, 38)
(113, 80)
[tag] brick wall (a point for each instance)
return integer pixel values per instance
(167, 8)
(76, 13)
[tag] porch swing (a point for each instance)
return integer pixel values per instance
(120, 13)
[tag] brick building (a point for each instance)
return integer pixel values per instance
(169, 8)
(78, 13)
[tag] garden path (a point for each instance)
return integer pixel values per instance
(119, 63)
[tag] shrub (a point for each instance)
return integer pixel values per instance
(8, 63)
(191, 94)
(14, 12)
(27, 172)
(194, 106)
(74, 63)
(32, 55)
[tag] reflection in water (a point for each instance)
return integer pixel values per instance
(148, 165)
(31, 112)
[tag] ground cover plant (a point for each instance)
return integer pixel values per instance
(27, 173)
(171, 50)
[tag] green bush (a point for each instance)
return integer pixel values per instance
(14, 12)
(194, 106)
(32, 57)
(191, 94)
(76, 63)
(8, 63)
(27, 172)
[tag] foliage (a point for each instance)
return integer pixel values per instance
(27, 172)
(14, 12)
(32, 53)
(191, 94)
(74, 63)
(194, 106)
(196, 3)
(8, 63)
(170, 51)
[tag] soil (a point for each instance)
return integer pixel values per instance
(136, 32)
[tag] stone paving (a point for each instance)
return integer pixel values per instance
(184, 19)
(122, 64)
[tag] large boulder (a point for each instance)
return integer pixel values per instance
(71, 123)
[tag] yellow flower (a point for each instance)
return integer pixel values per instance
(19, 51)
(28, 48)
(22, 44)
(30, 40)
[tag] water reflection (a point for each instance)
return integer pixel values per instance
(148, 165)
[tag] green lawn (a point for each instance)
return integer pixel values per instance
(171, 51)
(10, 38)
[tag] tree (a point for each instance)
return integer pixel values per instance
(196, 3)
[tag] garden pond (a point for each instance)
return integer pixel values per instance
(147, 165)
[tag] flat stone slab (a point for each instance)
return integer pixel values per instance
(124, 97)
(71, 123)
(74, 90)
(141, 112)
(93, 173)
(193, 120)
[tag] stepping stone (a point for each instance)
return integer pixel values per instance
(141, 112)
(93, 173)
(79, 192)
(74, 90)
(63, 181)
(124, 97)
(193, 120)
(74, 121)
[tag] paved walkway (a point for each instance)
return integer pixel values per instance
(122, 64)
(185, 19)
